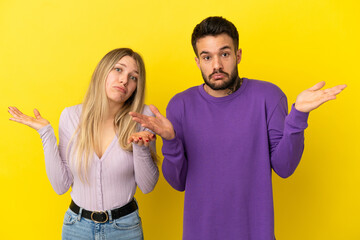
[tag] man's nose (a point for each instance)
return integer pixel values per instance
(217, 63)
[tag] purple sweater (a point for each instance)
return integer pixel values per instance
(223, 155)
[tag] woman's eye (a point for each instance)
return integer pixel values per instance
(118, 69)
(133, 78)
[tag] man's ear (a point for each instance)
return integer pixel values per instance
(197, 62)
(238, 55)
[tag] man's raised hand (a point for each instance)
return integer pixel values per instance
(313, 97)
(158, 124)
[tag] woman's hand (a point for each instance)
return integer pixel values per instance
(35, 123)
(142, 138)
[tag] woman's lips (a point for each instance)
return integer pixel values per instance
(121, 89)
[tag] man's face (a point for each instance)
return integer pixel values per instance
(218, 61)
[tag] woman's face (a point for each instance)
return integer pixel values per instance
(122, 80)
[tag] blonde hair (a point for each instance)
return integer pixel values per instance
(95, 106)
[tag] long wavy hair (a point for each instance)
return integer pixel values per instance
(95, 107)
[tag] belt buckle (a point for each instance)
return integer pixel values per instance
(106, 214)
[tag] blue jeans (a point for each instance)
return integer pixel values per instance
(125, 228)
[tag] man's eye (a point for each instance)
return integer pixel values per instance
(206, 58)
(225, 54)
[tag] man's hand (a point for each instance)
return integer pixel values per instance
(313, 97)
(158, 124)
(35, 123)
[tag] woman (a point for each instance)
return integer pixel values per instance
(102, 154)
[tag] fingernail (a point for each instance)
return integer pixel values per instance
(147, 140)
(140, 138)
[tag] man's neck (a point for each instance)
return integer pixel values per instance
(224, 92)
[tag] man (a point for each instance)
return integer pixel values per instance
(226, 136)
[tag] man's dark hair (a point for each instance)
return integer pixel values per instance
(214, 26)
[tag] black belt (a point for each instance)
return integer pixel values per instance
(102, 216)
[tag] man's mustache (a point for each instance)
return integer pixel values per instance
(218, 71)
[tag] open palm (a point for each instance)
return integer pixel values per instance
(313, 97)
(36, 122)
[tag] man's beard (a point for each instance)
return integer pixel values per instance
(225, 84)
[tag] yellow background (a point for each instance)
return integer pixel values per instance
(49, 49)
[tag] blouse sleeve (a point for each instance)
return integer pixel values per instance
(57, 168)
(146, 170)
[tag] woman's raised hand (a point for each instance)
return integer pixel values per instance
(36, 122)
(142, 138)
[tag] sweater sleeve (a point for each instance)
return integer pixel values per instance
(146, 170)
(286, 137)
(57, 168)
(175, 164)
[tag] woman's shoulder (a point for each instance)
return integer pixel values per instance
(73, 110)
(71, 114)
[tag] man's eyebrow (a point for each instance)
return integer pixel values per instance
(223, 48)
(204, 52)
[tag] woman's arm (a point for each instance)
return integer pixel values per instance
(55, 157)
(175, 163)
(145, 168)
(144, 152)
